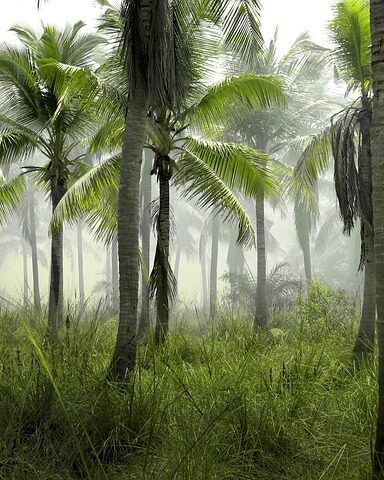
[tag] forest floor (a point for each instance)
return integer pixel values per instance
(215, 402)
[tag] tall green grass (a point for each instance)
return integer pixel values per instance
(225, 404)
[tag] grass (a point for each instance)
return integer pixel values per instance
(222, 404)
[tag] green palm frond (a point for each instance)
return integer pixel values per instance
(228, 101)
(11, 194)
(313, 162)
(16, 146)
(199, 183)
(90, 196)
(240, 24)
(350, 31)
(240, 167)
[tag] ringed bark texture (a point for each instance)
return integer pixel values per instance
(261, 314)
(128, 232)
(377, 145)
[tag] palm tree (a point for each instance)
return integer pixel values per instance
(347, 140)
(276, 131)
(35, 115)
(161, 81)
(377, 143)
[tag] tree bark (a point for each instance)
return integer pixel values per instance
(366, 335)
(377, 145)
(124, 355)
(146, 186)
(261, 314)
(115, 276)
(162, 253)
(55, 306)
(213, 273)
(80, 262)
(33, 242)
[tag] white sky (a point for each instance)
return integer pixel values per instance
(292, 16)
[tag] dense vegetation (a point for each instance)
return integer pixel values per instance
(214, 402)
(275, 376)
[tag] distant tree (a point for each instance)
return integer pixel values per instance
(348, 142)
(35, 115)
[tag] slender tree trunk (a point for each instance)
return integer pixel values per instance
(124, 355)
(204, 282)
(33, 241)
(213, 273)
(55, 305)
(115, 276)
(306, 247)
(108, 275)
(377, 144)
(80, 261)
(177, 264)
(366, 336)
(235, 261)
(146, 185)
(25, 274)
(261, 314)
(162, 253)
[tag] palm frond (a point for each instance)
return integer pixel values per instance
(11, 194)
(350, 31)
(227, 102)
(198, 182)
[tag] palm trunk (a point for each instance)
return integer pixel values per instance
(108, 276)
(146, 186)
(377, 144)
(35, 259)
(162, 254)
(124, 355)
(80, 261)
(177, 264)
(306, 247)
(261, 314)
(366, 336)
(55, 305)
(25, 274)
(115, 276)
(213, 273)
(204, 282)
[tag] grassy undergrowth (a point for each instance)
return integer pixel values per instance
(222, 404)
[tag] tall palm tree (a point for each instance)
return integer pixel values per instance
(276, 131)
(35, 115)
(377, 143)
(159, 82)
(348, 141)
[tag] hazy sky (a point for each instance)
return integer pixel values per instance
(293, 16)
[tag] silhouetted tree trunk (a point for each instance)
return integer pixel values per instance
(161, 263)
(33, 242)
(80, 261)
(213, 273)
(146, 189)
(366, 336)
(377, 144)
